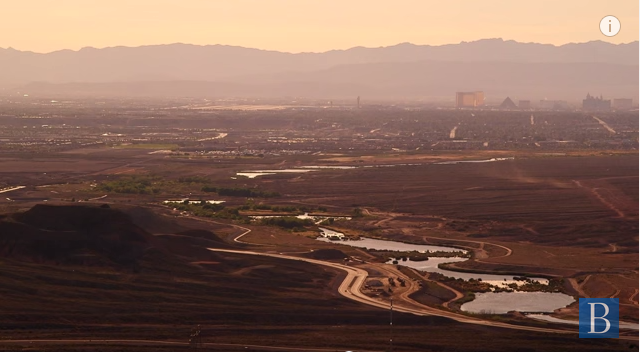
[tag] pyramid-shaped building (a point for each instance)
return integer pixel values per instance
(508, 104)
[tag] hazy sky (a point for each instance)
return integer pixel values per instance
(305, 25)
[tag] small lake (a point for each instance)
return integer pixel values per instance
(328, 167)
(490, 302)
(257, 173)
(303, 169)
(254, 174)
(371, 243)
(317, 219)
(391, 165)
(169, 201)
(503, 302)
(431, 266)
(453, 162)
(326, 233)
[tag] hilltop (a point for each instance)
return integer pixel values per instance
(77, 235)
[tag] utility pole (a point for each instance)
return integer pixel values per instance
(195, 339)
(391, 325)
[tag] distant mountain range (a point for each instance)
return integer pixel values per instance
(500, 68)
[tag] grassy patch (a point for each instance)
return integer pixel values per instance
(148, 146)
(134, 185)
(240, 192)
(287, 222)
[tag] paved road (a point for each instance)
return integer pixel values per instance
(605, 125)
(9, 189)
(350, 288)
(355, 278)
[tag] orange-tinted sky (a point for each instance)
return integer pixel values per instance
(305, 25)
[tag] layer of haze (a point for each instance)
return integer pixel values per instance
(305, 25)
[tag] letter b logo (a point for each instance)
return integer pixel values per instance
(599, 318)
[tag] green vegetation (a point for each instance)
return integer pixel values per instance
(468, 297)
(194, 180)
(287, 222)
(133, 185)
(358, 213)
(149, 146)
(206, 210)
(415, 255)
(252, 206)
(146, 184)
(158, 185)
(208, 189)
(472, 285)
(240, 192)
(555, 285)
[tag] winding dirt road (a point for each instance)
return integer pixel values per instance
(235, 239)
(355, 278)
(578, 286)
(507, 249)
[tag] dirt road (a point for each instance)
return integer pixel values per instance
(355, 278)
(114, 342)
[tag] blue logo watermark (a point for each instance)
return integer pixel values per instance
(599, 318)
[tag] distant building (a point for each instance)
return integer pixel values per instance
(524, 104)
(508, 104)
(592, 103)
(469, 99)
(553, 105)
(622, 104)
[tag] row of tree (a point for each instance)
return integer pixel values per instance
(240, 192)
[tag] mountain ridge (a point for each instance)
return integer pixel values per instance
(320, 52)
(239, 71)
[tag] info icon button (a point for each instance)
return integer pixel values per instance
(610, 26)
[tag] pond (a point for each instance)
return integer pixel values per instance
(371, 243)
(257, 173)
(496, 303)
(328, 167)
(453, 162)
(317, 219)
(431, 266)
(503, 302)
(327, 234)
(303, 169)
(197, 201)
